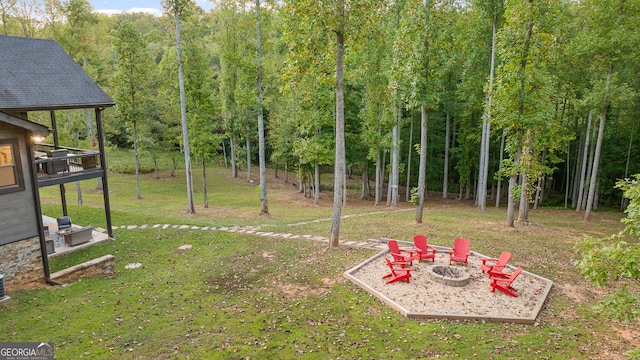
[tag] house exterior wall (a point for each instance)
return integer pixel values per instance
(21, 263)
(17, 209)
(20, 253)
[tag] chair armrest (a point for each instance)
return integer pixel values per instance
(484, 260)
(451, 251)
(432, 248)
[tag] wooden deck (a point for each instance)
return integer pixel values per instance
(60, 165)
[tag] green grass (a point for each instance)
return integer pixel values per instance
(237, 296)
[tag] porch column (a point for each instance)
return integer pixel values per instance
(103, 162)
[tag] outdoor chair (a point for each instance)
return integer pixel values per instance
(495, 267)
(396, 274)
(64, 223)
(397, 253)
(503, 284)
(460, 251)
(423, 250)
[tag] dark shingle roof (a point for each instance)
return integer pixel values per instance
(37, 74)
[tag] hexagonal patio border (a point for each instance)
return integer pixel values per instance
(451, 316)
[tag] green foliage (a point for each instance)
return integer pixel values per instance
(616, 258)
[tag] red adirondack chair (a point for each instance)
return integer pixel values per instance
(397, 253)
(423, 250)
(495, 267)
(396, 274)
(503, 284)
(460, 251)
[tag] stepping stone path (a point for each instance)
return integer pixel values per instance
(374, 244)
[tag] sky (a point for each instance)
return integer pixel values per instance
(149, 6)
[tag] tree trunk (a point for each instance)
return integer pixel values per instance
(155, 168)
(248, 146)
(390, 181)
(447, 135)
(79, 192)
(499, 190)
(340, 147)
(224, 153)
(596, 159)
(395, 158)
(512, 184)
(408, 188)
(286, 172)
(583, 170)
(204, 183)
(234, 163)
(185, 132)
(261, 155)
(378, 176)
(137, 155)
(364, 195)
(526, 162)
(626, 168)
(423, 164)
(316, 184)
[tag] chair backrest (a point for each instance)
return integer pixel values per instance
(64, 223)
(460, 246)
(393, 247)
(502, 260)
(390, 265)
(420, 242)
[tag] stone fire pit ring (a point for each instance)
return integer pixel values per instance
(449, 275)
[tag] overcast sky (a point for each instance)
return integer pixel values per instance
(149, 6)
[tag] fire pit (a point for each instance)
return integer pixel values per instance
(449, 275)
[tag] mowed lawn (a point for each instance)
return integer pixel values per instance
(237, 296)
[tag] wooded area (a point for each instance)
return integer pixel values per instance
(537, 99)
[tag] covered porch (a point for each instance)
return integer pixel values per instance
(56, 241)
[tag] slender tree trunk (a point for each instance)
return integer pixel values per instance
(364, 195)
(395, 157)
(423, 164)
(626, 168)
(584, 165)
(383, 173)
(234, 163)
(340, 146)
(300, 178)
(204, 183)
(390, 181)
(513, 179)
(261, 155)
(378, 177)
(79, 192)
(316, 184)
(499, 190)
(527, 162)
(248, 146)
(447, 135)
(137, 155)
(224, 153)
(596, 159)
(408, 189)
(185, 132)
(155, 168)
(286, 172)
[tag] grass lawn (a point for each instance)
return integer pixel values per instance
(237, 296)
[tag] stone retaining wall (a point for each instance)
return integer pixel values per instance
(21, 263)
(102, 267)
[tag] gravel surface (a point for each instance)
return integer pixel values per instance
(424, 295)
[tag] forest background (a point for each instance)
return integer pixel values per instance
(543, 94)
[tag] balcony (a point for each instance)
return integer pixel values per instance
(59, 165)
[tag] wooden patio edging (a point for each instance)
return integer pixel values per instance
(434, 315)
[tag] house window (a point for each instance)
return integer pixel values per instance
(11, 179)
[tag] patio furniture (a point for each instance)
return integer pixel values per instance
(58, 164)
(460, 251)
(495, 267)
(423, 250)
(503, 284)
(396, 252)
(78, 236)
(64, 223)
(395, 274)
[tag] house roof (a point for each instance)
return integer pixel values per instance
(37, 74)
(36, 129)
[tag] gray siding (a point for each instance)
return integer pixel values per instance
(17, 209)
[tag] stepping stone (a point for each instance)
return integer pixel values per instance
(286, 236)
(266, 234)
(144, 226)
(183, 227)
(185, 247)
(100, 230)
(165, 226)
(195, 228)
(133, 265)
(295, 237)
(131, 227)
(250, 231)
(156, 226)
(320, 238)
(204, 228)
(224, 229)
(212, 228)
(259, 233)
(114, 227)
(307, 236)
(175, 226)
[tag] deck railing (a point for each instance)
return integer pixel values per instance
(55, 162)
